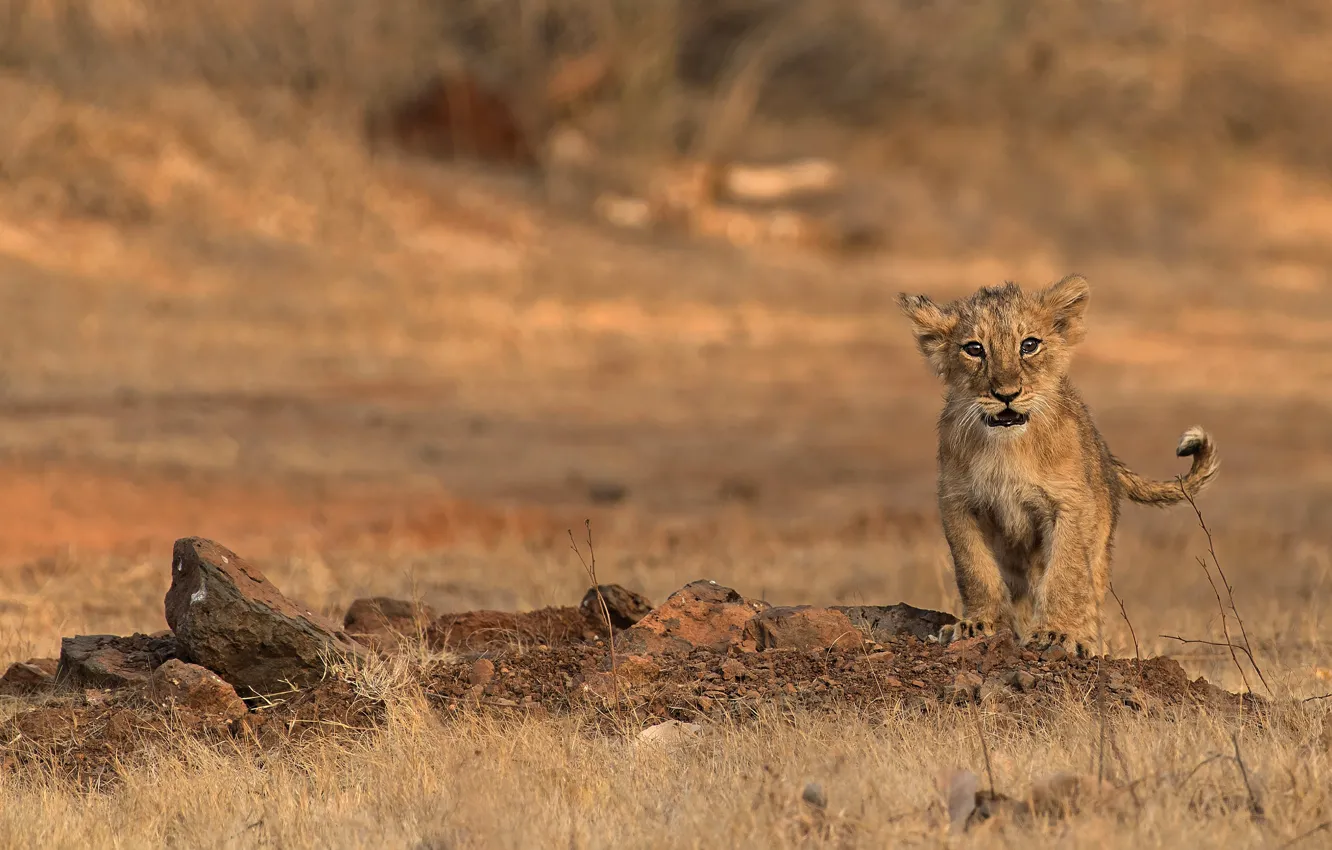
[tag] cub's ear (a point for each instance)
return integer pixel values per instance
(1067, 303)
(931, 324)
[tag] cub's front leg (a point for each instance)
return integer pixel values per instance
(986, 607)
(1068, 596)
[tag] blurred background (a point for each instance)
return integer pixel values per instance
(390, 295)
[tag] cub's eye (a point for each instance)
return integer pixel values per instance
(1030, 345)
(973, 349)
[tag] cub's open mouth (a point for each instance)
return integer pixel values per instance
(1006, 419)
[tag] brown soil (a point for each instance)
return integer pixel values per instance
(86, 736)
(740, 684)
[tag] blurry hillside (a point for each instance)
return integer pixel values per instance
(1199, 129)
(283, 267)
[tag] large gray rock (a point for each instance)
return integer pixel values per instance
(229, 618)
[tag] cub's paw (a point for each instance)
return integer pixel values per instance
(1043, 639)
(963, 629)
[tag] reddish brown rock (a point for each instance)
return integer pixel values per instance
(195, 689)
(700, 614)
(450, 117)
(229, 618)
(26, 677)
(483, 670)
(804, 628)
(476, 630)
(990, 652)
(624, 606)
(885, 622)
(111, 661)
(382, 623)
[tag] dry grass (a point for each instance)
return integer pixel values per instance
(472, 782)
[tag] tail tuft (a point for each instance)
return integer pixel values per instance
(1195, 443)
(1192, 442)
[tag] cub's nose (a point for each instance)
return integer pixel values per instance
(1004, 396)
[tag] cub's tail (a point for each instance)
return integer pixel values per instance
(1196, 444)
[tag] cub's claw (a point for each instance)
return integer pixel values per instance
(963, 629)
(1043, 639)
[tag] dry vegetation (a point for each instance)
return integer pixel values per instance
(382, 375)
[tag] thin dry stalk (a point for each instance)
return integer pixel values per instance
(1308, 833)
(1230, 594)
(1233, 647)
(1255, 807)
(984, 745)
(590, 567)
(1123, 612)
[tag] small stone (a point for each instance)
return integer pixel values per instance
(701, 615)
(624, 606)
(885, 622)
(196, 689)
(26, 677)
(1019, 680)
(964, 687)
(814, 796)
(483, 670)
(991, 689)
(804, 628)
(1055, 653)
(637, 670)
(671, 734)
(732, 670)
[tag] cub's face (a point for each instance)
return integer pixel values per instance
(1002, 352)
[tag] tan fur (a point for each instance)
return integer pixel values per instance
(1030, 510)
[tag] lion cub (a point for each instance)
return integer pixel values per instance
(1028, 490)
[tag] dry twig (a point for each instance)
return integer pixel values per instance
(590, 567)
(1123, 612)
(1230, 594)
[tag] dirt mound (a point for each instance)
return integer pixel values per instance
(902, 671)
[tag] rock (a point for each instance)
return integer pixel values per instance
(635, 670)
(26, 677)
(672, 734)
(986, 653)
(451, 117)
(1019, 680)
(884, 622)
(196, 689)
(382, 622)
(111, 661)
(700, 614)
(625, 606)
(992, 689)
(804, 628)
(483, 670)
(964, 688)
(814, 796)
(229, 618)
(476, 630)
